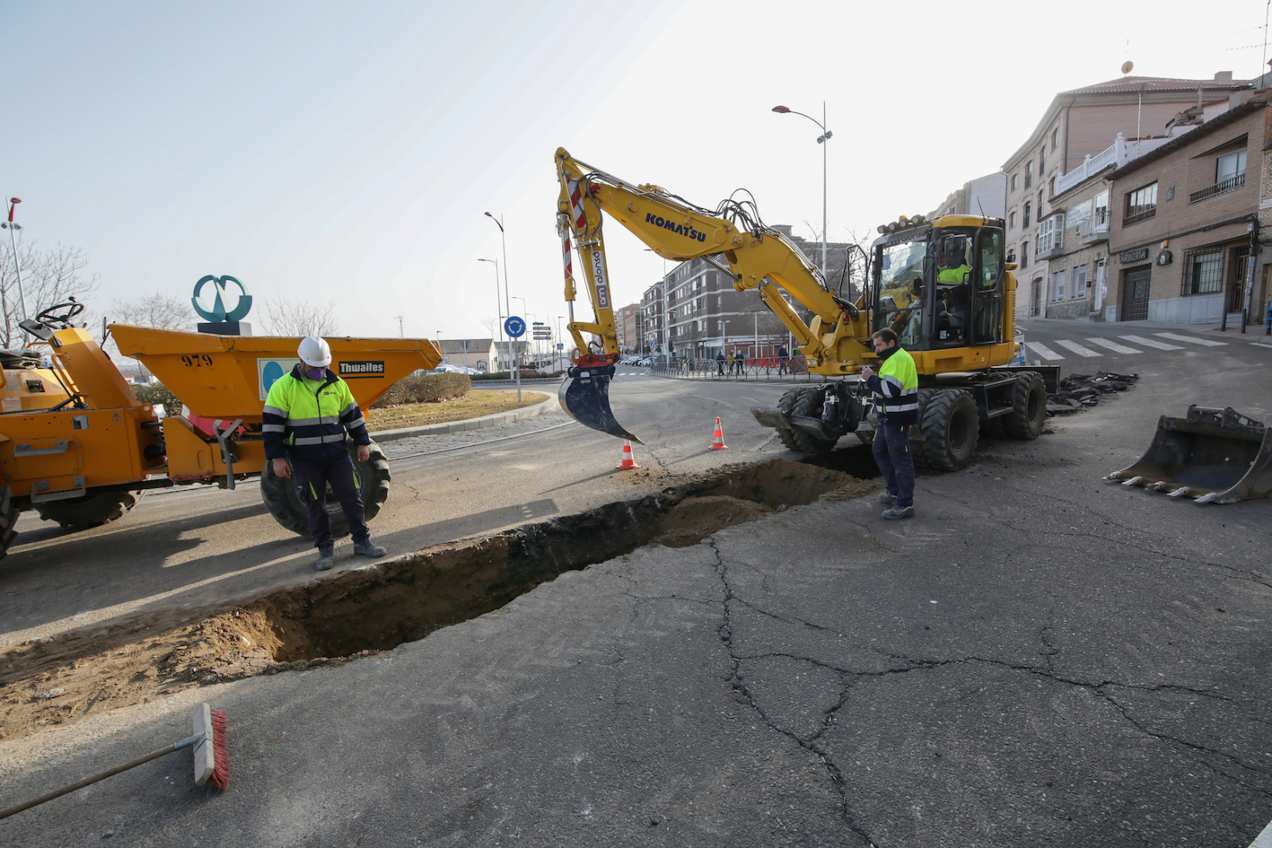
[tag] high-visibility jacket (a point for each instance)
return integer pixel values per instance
(306, 418)
(897, 385)
(953, 276)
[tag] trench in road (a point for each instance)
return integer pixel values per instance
(376, 608)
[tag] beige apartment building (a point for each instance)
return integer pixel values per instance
(627, 327)
(1078, 124)
(1187, 221)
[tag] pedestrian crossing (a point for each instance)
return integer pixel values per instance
(1127, 345)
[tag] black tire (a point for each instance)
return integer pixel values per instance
(284, 503)
(806, 402)
(949, 427)
(91, 510)
(1028, 407)
(8, 520)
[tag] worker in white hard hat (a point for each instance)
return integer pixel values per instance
(307, 416)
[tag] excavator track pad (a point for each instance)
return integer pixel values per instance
(585, 397)
(1212, 456)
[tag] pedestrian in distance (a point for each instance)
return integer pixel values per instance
(720, 360)
(307, 416)
(783, 359)
(739, 363)
(896, 390)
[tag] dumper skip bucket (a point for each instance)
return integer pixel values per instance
(1212, 456)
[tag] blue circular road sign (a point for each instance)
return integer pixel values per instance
(515, 326)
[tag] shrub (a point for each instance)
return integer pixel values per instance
(157, 393)
(425, 388)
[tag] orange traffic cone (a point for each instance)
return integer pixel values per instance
(629, 460)
(717, 438)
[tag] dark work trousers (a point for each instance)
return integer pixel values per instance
(892, 455)
(311, 476)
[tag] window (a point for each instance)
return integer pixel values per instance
(1100, 217)
(1050, 234)
(1141, 203)
(1058, 292)
(1203, 272)
(1042, 159)
(1024, 254)
(1026, 219)
(990, 267)
(1229, 166)
(1028, 175)
(1079, 275)
(1055, 137)
(1013, 181)
(1011, 220)
(1077, 219)
(1039, 204)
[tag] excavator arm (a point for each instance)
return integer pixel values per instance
(732, 237)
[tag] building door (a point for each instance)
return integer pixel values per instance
(1035, 298)
(1237, 270)
(1135, 294)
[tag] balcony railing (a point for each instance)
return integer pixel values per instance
(1139, 216)
(1224, 186)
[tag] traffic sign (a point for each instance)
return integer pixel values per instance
(515, 326)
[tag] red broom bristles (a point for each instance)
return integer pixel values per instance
(220, 754)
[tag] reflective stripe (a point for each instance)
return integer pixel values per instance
(303, 422)
(351, 405)
(319, 440)
(901, 407)
(273, 410)
(273, 428)
(357, 422)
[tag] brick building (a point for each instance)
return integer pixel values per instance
(626, 325)
(1188, 221)
(1079, 123)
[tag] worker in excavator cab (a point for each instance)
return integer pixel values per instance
(305, 421)
(952, 281)
(896, 389)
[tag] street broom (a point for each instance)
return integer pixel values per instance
(211, 759)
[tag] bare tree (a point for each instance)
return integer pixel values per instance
(48, 277)
(300, 318)
(162, 311)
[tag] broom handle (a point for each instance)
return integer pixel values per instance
(58, 793)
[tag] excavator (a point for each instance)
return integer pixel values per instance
(943, 285)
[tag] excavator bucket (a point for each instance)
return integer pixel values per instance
(1212, 456)
(585, 397)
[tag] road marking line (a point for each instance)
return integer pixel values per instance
(1261, 344)
(1140, 340)
(1114, 346)
(1191, 339)
(1264, 839)
(1080, 350)
(1044, 351)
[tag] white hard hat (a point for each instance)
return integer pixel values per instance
(314, 352)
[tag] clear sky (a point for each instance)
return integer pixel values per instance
(346, 152)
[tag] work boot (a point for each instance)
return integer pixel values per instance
(326, 559)
(367, 548)
(887, 499)
(896, 513)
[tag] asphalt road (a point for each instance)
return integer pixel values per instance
(1039, 659)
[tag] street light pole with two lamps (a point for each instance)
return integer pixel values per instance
(825, 136)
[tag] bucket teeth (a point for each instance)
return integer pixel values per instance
(1179, 493)
(1209, 497)
(1134, 481)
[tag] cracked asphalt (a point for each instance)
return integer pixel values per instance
(1039, 659)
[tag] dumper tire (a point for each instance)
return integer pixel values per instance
(8, 519)
(806, 402)
(284, 503)
(91, 510)
(949, 427)
(1028, 407)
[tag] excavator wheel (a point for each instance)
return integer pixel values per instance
(949, 427)
(806, 402)
(8, 519)
(1028, 407)
(284, 503)
(91, 510)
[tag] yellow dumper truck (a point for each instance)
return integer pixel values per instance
(77, 445)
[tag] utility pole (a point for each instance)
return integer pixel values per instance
(13, 227)
(498, 306)
(503, 243)
(401, 331)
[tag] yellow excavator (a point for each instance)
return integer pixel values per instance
(943, 286)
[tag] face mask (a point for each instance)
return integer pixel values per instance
(313, 373)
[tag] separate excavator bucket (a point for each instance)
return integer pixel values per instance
(1212, 456)
(585, 397)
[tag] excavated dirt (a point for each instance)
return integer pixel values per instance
(63, 679)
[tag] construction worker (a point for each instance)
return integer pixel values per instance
(896, 388)
(953, 267)
(306, 417)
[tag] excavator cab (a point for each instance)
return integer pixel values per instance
(940, 285)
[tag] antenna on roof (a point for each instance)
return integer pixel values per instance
(981, 206)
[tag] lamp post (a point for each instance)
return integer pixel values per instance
(12, 226)
(503, 244)
(498, 304)
(560, 342)
(821, 139)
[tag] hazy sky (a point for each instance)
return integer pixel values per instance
(346, 152)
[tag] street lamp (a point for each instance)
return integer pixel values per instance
(498, 305)
(503, 243)
(825, 136)
(13, 226)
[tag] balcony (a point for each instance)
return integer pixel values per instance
(1227, 184)
(1139, 216)
(1090, 165)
